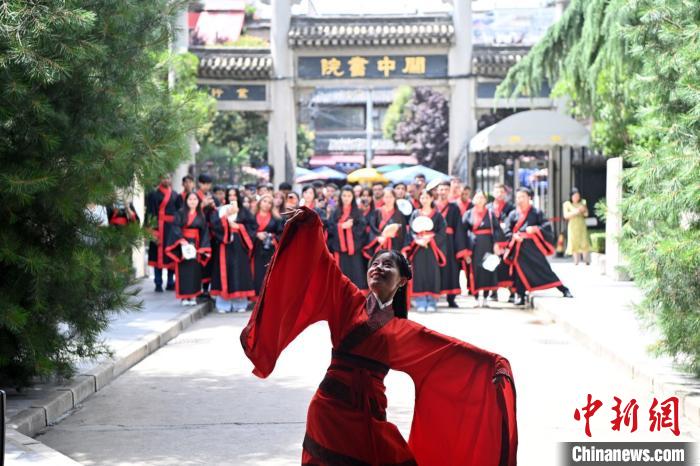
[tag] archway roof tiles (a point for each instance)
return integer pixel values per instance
(354, 31)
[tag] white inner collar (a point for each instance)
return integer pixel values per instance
(381, 304)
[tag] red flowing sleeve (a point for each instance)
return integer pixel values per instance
(303, 285)
(465, 399)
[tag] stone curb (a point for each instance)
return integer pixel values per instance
(62, 400)
(40, 453)
(667, 384)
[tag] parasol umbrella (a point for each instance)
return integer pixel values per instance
(367, 175)
(393, 167)
(406, 175)
(301, 171)
(322, 173)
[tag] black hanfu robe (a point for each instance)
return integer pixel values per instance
(232, 275)
(528, 258)
(208, 212)
(263, 250)
(481, 231)
(502, 209)
(427, 261)
(346, 244)
(118, 216)
(449, 278)
(192, 228)
(160, 213)
(378, 220)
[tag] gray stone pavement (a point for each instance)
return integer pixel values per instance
(602, 317)
(194, 402)
(131, 336)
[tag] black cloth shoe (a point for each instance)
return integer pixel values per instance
(521, 301)
(451, 302)
(494, 295)
(567, 294)
(170, 287)
(159, 288)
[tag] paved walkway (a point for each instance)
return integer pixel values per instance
(602, 316)
(132, 337)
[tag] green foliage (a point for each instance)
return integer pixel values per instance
(585, 55)
(661, 235)
(633, 67)
(598, 242)
(305, 145)
(248, 41)
(601, 209)
(233, 140)
(424, 128)
(395, 113)
(86, 111)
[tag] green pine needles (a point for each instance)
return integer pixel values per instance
(633, 67)
(85, 111)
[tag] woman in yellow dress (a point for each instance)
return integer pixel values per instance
(576, 211)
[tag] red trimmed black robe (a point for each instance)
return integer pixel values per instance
(160, 213)
(263, 250)
(346, 243)
(528, 258)
(482, 231)
(232, 275)
(118, 216)
(426, 262)
(502, 209)
(465, 397)
(378, 220)
(449, 273)
(189, 227)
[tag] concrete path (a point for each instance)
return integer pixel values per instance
(194, 402)
(602, 317)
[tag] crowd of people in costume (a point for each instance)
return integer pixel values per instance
(216, 242)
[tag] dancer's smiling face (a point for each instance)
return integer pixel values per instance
(384, 277)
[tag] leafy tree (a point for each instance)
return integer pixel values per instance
(237, 139)
(633, 68)
(305, 144)
(425, 128)
(395, 112)
(233, 140)
(85, 111)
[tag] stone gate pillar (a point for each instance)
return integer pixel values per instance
(462, 89)
(282, 137)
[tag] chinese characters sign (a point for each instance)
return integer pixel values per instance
(375, 67)
(661, 415)
(255, 92)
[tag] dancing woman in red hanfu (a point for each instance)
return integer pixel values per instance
(465, 397)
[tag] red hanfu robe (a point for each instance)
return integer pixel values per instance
(528, 258)
(464, 414)
(482, 231)
(160, 213)
(378, 220)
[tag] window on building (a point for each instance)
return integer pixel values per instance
(331, 118)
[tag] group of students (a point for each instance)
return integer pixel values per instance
(218, 241)
(211, 242)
